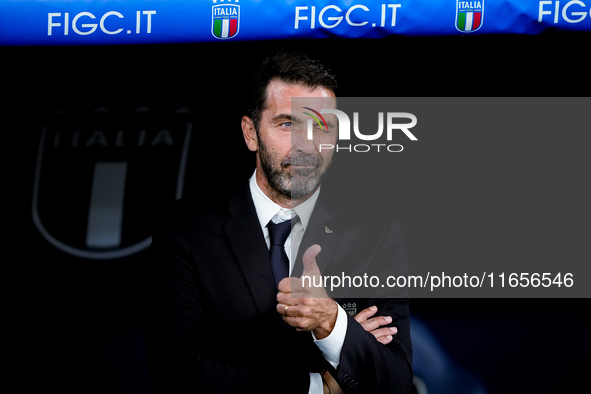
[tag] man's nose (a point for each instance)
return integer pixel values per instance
(301, 142)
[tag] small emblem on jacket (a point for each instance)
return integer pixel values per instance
(350, 308)
(327, 230)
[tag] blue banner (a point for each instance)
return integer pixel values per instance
(92, 22)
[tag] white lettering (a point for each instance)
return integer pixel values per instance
(566, 14)
(225, 11)
(541, 11)
(404, 127)
(366, 148)
(299, 18)
(582, 14)
(102, 22)
(362, 148)
(338, 19)
(469, 4)
(344, 123)
(137, 22)
(348, 15)
(383, 19)
(368, 137)
(396, 145)
(92, 26)
(85, 29)
(394, 7)
(50, 23)
(149, 13)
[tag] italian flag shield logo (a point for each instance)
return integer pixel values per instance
(225, 20)
(469, 15)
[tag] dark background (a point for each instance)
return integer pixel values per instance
(78, 323)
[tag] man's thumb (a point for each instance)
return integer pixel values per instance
(309, 259)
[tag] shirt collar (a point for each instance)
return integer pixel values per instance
(266, 208)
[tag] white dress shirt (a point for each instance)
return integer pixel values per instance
(267, 210)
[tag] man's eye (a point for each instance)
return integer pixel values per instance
(286, 124)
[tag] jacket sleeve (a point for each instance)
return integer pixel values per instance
(366, 365)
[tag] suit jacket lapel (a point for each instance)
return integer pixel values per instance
(323, 229)
(248, 243)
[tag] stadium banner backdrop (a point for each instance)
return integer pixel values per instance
(98, 22)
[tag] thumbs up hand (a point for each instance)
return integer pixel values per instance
(309, 259)
(305, 305)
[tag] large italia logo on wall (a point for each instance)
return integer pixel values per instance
(469, 15)
(100, 175)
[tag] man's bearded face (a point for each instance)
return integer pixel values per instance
(295, 176)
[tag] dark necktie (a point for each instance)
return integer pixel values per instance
(278, 233)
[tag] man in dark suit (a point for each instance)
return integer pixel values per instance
(227, 316)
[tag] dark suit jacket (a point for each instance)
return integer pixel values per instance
(214, 325)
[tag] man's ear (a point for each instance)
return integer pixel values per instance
(250, 134)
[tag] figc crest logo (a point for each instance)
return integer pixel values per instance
(225, 19)
(469, 15)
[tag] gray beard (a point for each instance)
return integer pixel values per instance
(299, 183)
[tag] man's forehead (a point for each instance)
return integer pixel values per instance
(282, 96)
(314, 103)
